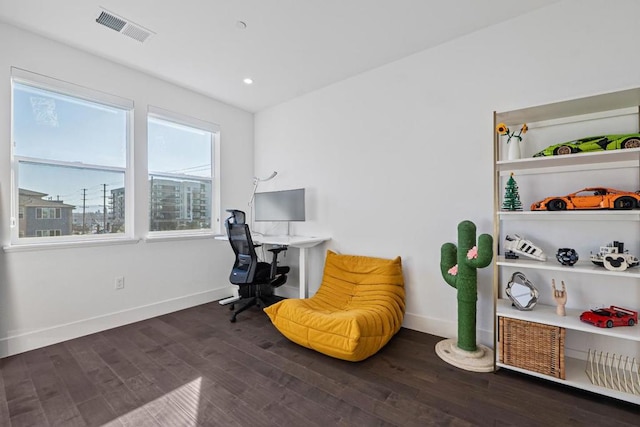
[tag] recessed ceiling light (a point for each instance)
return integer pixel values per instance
(247, 81)
(241, 25)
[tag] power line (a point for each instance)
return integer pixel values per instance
(192, 169)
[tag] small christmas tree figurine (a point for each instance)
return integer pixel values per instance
(511, 196)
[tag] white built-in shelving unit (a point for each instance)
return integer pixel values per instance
(541, 177)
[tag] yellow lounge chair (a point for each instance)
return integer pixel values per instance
(357, 309)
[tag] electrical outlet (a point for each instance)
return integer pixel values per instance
(120, 282)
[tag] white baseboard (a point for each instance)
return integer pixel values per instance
(442, 328)
(59, 333)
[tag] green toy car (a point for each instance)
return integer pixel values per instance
(592, 143)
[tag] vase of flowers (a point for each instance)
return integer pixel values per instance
(513, 140)
(513, 153)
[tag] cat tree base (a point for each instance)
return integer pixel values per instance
(480, 360)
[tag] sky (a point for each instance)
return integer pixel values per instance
(76, 135)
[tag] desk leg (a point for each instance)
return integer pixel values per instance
(303, 272)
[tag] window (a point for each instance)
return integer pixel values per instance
(48, 213)
(48, 233)
(70, 158)
(181, 154)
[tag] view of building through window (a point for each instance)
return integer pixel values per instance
(70, 157)
(71, 164)
(180, 176)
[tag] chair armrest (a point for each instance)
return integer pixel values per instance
(277, 249)
(274, 261)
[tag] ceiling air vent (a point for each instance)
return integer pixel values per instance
(123, 26)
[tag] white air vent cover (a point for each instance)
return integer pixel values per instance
(123, 26)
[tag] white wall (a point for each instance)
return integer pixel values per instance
(50, 295)
(392, 159)
(396, 157)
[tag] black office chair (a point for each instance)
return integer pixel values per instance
(256, 279)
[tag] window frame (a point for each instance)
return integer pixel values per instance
(39, 81)
(184, 120)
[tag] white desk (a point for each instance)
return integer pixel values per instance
(301, 242)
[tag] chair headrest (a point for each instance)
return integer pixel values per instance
(238, 216)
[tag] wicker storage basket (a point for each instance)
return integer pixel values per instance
(533, 346)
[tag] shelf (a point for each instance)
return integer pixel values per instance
(570, 162)
(547, 314)
(551, 264)
(626, 98)
(602, 111)
(583, 215)
(576, 377)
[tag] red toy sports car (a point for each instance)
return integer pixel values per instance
(610, 317)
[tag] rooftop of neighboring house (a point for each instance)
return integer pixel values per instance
(34, 199)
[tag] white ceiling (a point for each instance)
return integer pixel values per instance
(289, 48)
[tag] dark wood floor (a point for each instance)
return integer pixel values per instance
(194, 367)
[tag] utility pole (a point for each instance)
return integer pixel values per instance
(84, 207)
(104, 208)
(112, 212)
(152, 220)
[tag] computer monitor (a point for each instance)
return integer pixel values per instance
(286, 205)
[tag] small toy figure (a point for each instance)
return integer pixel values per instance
(560, 297)
(567, 256)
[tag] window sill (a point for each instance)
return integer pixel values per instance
(28, 247)
(168, 237)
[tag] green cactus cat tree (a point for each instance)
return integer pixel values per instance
(459, 269)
